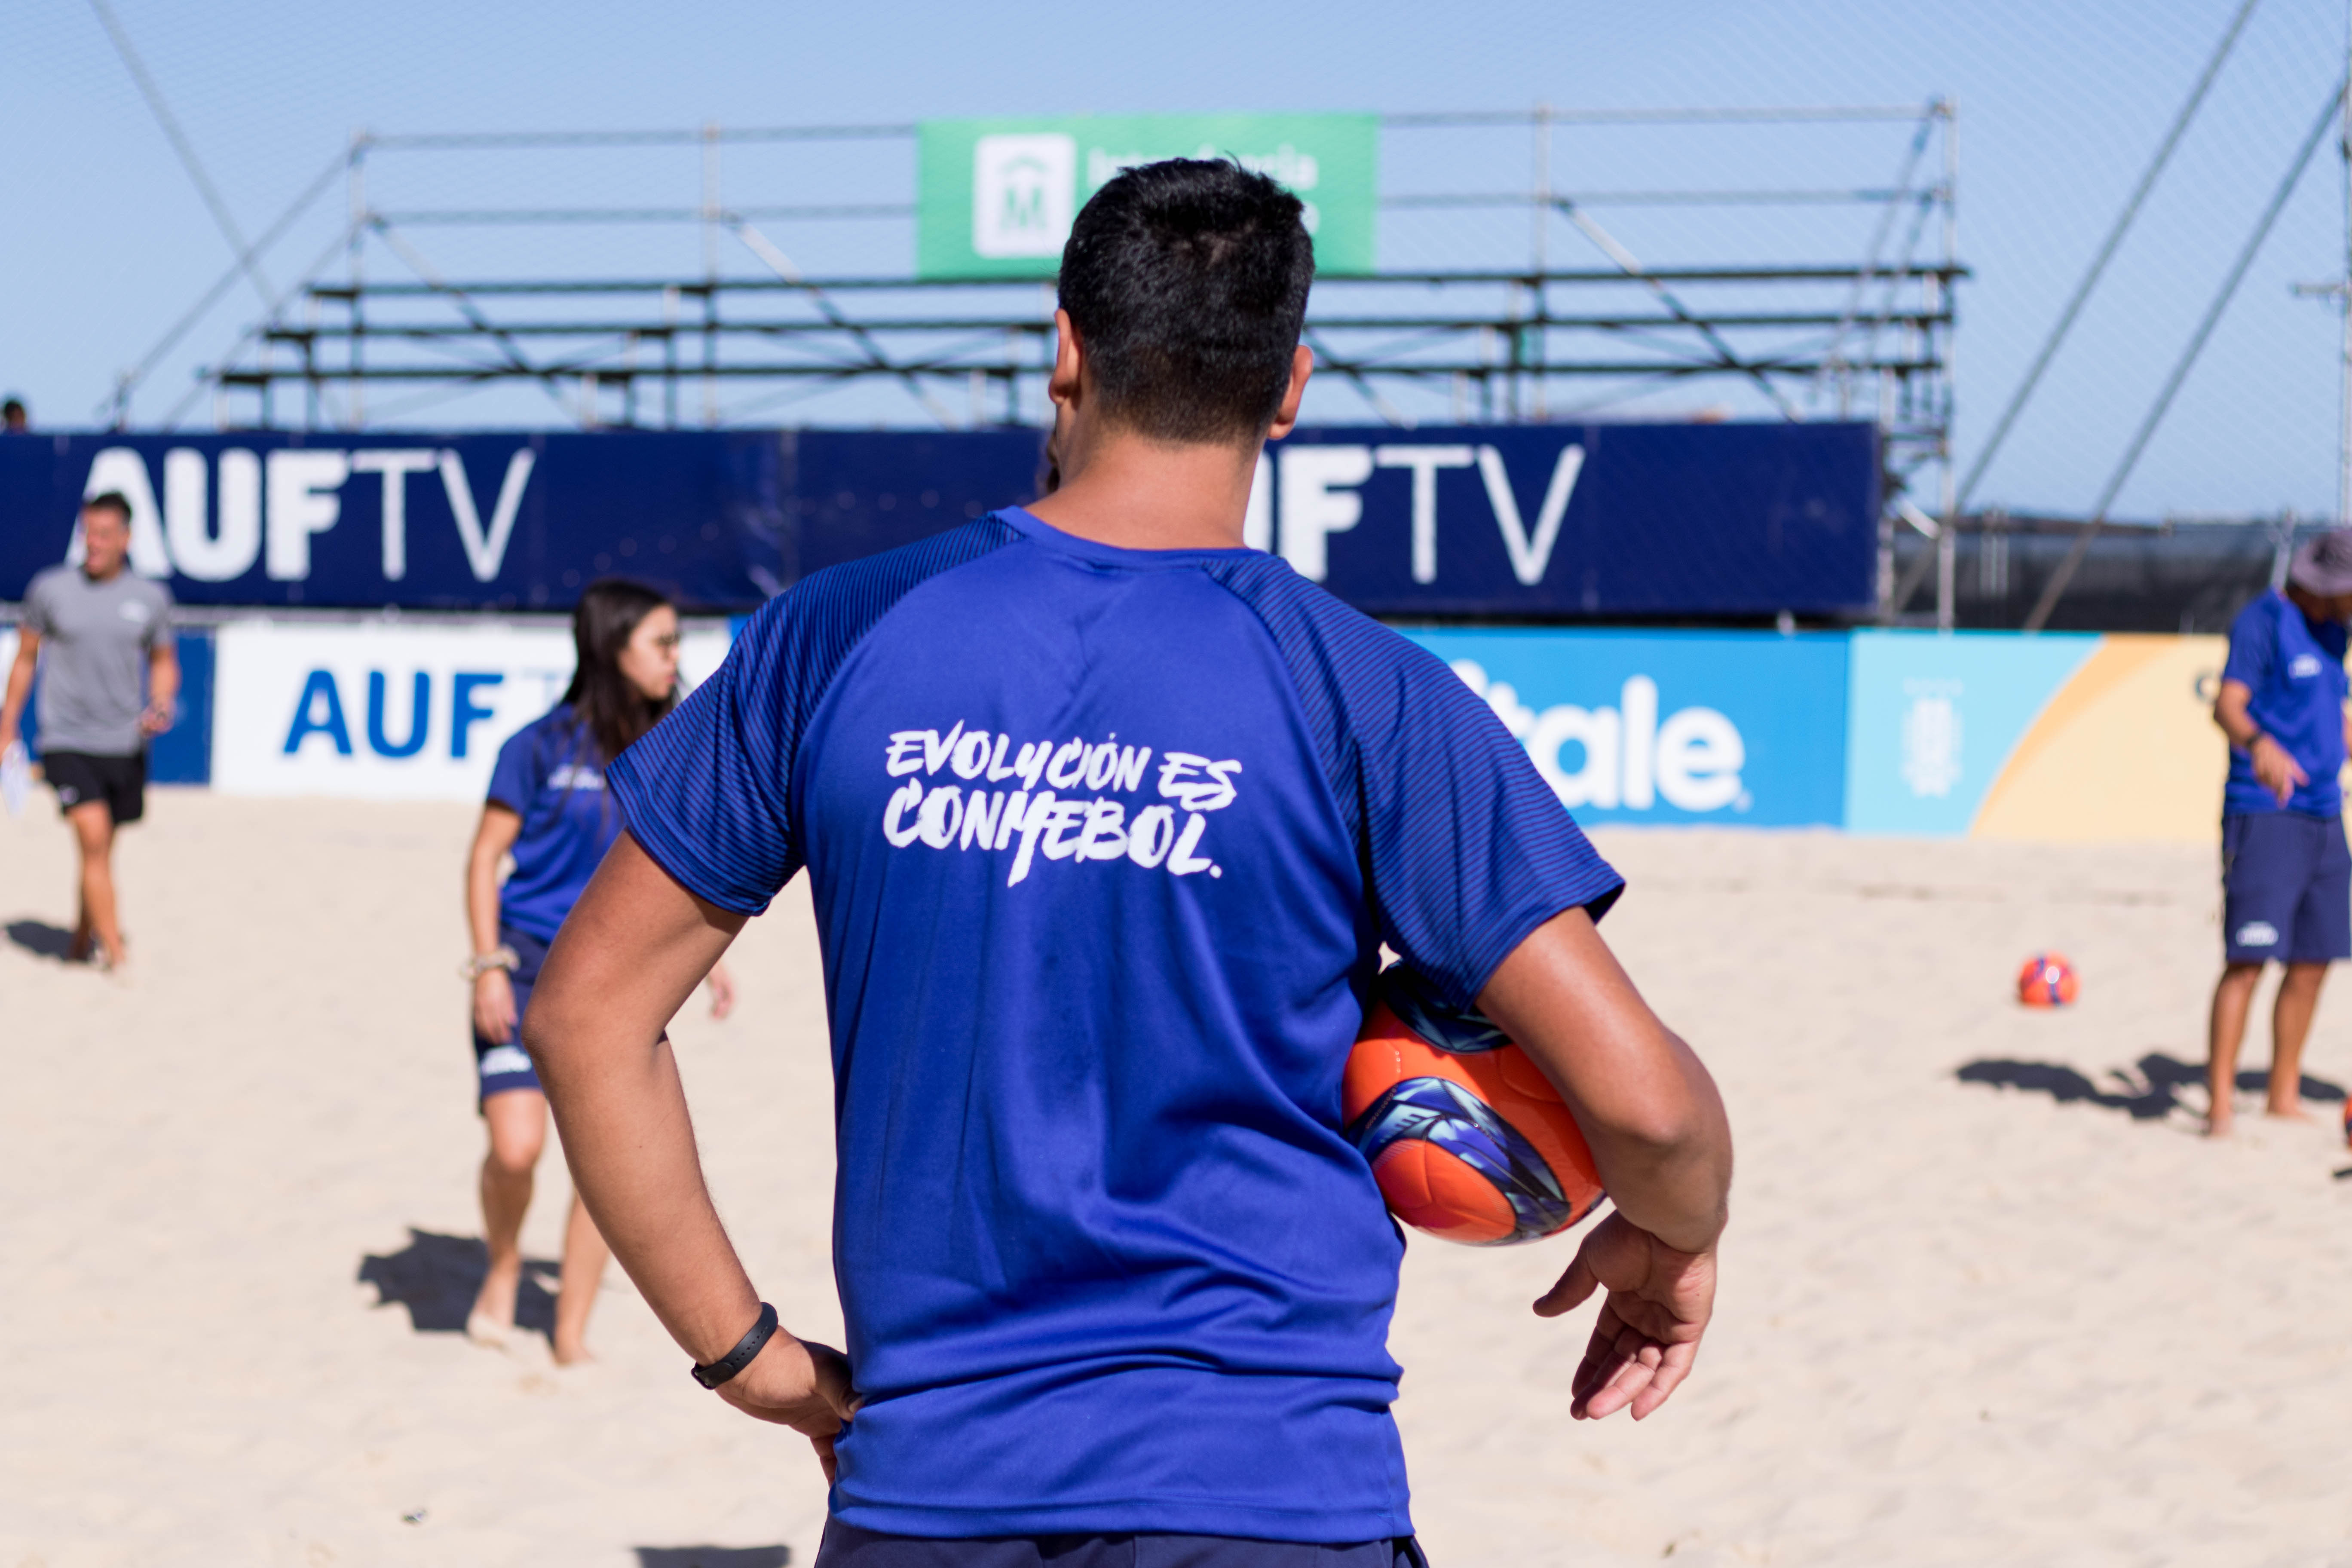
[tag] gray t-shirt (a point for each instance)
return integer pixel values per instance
(95, 642)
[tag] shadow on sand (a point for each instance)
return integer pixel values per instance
(713, 1556)
(40, 939)
(436, 1278)
(2146, 1091)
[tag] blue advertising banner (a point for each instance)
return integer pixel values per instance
(182, 754)
(1521, 520)
(1579, 520)
(1743, 729)
(854, 493)
(471, 521)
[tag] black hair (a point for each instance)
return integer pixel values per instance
(611, 711)
(14, 408)
(1187, 281)
(109, 501)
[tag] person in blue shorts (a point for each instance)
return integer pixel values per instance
(549, 808)
(2286, 874)
(1107, 819)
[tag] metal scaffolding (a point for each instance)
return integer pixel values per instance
(1861, 329)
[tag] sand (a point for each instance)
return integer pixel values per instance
(1961, 1322)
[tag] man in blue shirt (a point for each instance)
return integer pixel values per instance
(1107, 819)
(2286, 874)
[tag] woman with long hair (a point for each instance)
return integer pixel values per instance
(547, 808)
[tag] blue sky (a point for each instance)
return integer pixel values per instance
(106, 241)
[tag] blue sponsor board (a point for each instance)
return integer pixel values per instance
(854, 493)
(1736, 727)
(1580, 519)
(1553, 520)
(182, 754)
(475, 521)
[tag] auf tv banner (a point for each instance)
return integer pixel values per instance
(479, 521)
(1577, 520)
(996, 198)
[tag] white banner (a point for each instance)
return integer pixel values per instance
(388, 712)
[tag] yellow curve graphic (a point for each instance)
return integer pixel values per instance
(2125, 750)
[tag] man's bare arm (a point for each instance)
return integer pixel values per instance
(1659, 1137)
(162, 686)
(20, 683)
(1647, 1107)
(631, 953)
(2277, 772)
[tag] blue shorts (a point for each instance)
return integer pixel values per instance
(500, 1067)
(846, 1546)
(2286, 888)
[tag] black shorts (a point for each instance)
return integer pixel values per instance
(80, 778)
(846, 1546)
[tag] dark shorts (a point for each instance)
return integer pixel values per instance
(80, 778)
(846, 1546)
(500, 1068)
(2286, 888)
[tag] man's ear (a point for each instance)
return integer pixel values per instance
(1302, 365)
(1069, 361)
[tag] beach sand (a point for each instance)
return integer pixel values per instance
(1986, 1299)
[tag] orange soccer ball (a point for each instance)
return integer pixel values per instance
(2047, 980)
(1465, 1136)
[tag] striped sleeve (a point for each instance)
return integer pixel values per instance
(1465, 850)
(708, 793)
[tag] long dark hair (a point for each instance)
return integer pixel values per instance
(611, 711)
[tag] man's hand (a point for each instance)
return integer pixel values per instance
(1657, 1308)
(158, 716)
(2280, 773)
(800, 1384)
(494, 1008)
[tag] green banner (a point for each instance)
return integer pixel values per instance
(996, 196)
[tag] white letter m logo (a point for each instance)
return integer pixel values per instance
(1025, 192)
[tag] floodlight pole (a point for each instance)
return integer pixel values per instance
(1947, 537)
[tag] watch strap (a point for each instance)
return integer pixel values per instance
(711, 1374)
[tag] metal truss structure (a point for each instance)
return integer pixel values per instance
(1862, 328)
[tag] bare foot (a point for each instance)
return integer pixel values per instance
(2217, 1125)
(2291, 1113)
(493, 1315)
(572, 1354)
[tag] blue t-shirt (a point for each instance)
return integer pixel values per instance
(551, 773)
(2296, 669)
(1103, 845)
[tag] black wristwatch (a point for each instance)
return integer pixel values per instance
(736, 1360)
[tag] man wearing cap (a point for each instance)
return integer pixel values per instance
(2286, 873)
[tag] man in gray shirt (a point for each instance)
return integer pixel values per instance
(113, 680)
